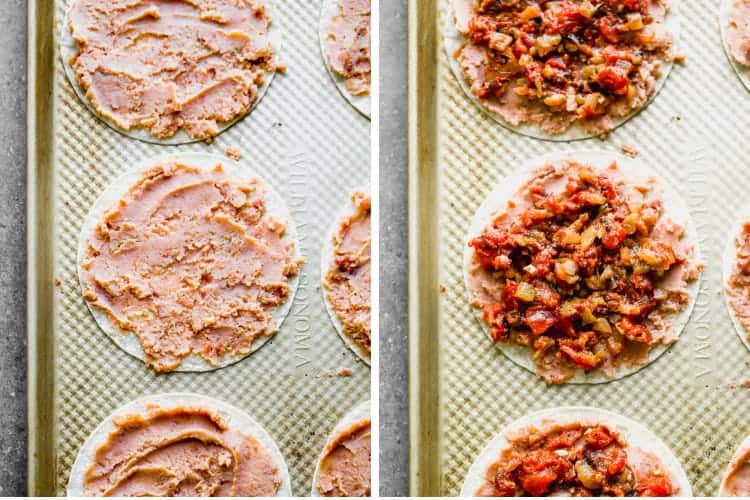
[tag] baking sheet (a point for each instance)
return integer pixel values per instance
(463, 390)
(77, 376)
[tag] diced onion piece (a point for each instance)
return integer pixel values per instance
(500, 41)
(525, 292)
(567, 270)
(588, 237)
(601, 325)
(530, 13)
(589, 477)
(547, 43)
(555, 100)
(634, 22)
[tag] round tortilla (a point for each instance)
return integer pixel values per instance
(326, 257)
(729, 259)
(236, 419)
(739, 456)
(674, 207)
(632, 432)
(69, 48)
(359, 413)
(742, 71)
(129, 341)
(453, 39)
(329, 10)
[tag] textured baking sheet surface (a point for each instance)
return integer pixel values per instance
(693, 135)
(312, 147)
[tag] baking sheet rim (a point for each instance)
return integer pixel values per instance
(41, 465)
(424, 434)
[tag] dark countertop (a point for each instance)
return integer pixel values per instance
(394, 441)
(13, 248)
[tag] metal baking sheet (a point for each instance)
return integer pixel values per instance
(463, 391)
(77, 376)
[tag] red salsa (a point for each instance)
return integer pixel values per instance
(577, 58)
(575, 460)
(578, 268)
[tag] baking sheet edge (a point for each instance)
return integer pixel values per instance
(424, 416)
(39, 281)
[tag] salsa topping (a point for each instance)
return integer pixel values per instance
(575, 459)
(570, 60)
(581, 268)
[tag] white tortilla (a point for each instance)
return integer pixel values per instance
(674, 207)
(742, 71)
(359, 413)
(632, 432)
(236, 419)
(740, 456)
(329, 10)
(453, 39)
(326, 257)
(69, 48)
(729, 260)
(129, 341)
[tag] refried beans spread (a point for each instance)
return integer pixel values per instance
(347, 45)
(166, 66)
(347, 282)
(738, 286)
(183, 451)
(345, 467)
(583, 268)
(555, 64)
(191, 262)
(738, 32)
(737, 481)
(576, 459)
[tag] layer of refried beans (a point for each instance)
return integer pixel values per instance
(166, 66)
(554, 64)
(737, 481)
(738, 31)
(738, 285)
(191, 262)
(347, 45)
(347, 282)
(183, 451)
(577, 459)
(345, 467)
(584, 268)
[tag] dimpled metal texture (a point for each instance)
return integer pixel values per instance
(693, 135)
(309, 144)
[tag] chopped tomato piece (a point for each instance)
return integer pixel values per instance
(539, 469)
(613, 78)
(608, 29)
(634, 5)
(617, 461)
(598, 437)
(565, 20)
(633, 331)
(564, 439)
(614, 236)
(654, 486)
(584, 359)
(504, 487)
(534, 74)
(539, 320)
